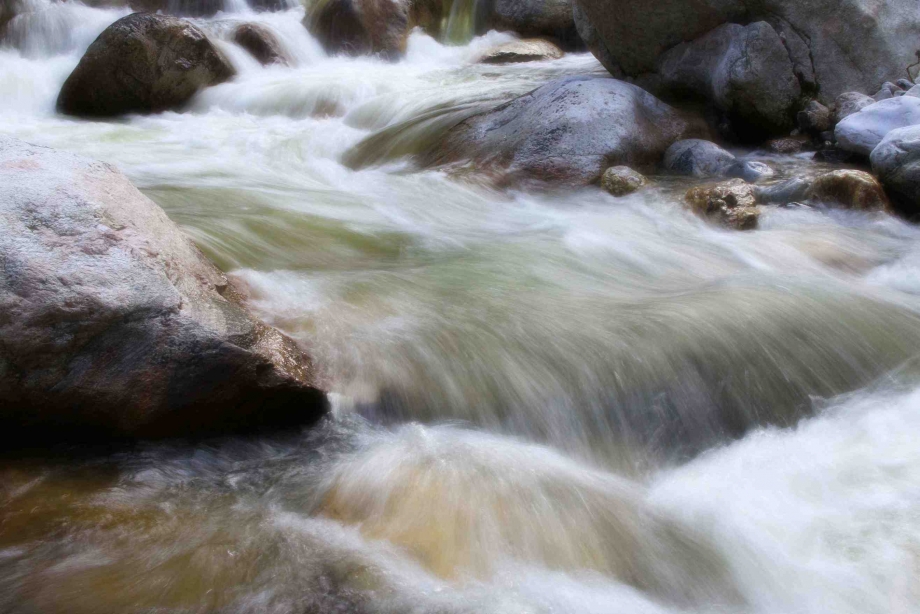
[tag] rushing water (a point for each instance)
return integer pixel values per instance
(543, 402)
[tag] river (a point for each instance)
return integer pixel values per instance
(543, 402)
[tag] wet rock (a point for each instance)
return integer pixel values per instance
(788, 145)
(750, 170)
(361, 27)
(568, 131)
(113, 324)
(143, 63)
(849, 189)
(552, 19)
(896, 160)
(835, 45)
(785, 192)
(851, 102)
(744, 72)
(622, 180)
(531, 50)
(697, 158)
(815, 118)
(261, 43)
(861, 132)
(731, 204)
(594, 43)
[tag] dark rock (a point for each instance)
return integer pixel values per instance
(697, 158)
(622, 180)
(531, 50)
(896, 160)
(789, 191)
(744, 72)
(143, 63)
(731, 204)
(552, 19)
(261, 43)
(834, 155)
(888, 91)
(567, 131)
(595, 43)
(113, 324)
(815, 118)
(361, 27)
(861, 132)
(849, 189)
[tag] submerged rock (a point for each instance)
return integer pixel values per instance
(143, 63)
(896, 160)
(261, 43)
(361, 27)
(622, 180)
(530, 50)
(697, 158)
(567, 131)
(849, 189)
(861, 132)
(113, 324)
(731, 204)
(744, 72)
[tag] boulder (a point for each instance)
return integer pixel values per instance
(849, 189)
(851, 102)
(261, 43)
(531, 50)
(731, 204)
(835, 45)
(567, 131)
(143, 63)
(697, 158)
(360, 27)
(861, 132)
(552, 19)
(113, 324)
(896, 161)
(815, 118)
(744, 72)
(622, 180)
(593, 41)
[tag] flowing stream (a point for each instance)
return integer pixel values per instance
(543, 402)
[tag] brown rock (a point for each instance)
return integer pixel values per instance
(361, 27)
(849, 189)
(731, 204)
(261, 43)
(530, 50)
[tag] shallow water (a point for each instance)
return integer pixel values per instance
(543, 402)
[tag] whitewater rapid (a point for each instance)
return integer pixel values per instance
(552, 402)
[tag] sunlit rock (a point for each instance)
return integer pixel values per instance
(531, 50)
(731, 204)
(113, 324)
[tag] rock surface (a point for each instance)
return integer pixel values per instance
(113, 324)
(530, 50)
(567, 131)
(261, 43)
(849, 189)
(835, 45)
(731, 204)
(697, 158)
(622, 180)
(744, 72)
(815, 118)
(531, 19)
(851, 102)
(861, 132)
(361, 27)
(896, 161)
(143, 63)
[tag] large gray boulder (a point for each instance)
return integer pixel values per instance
(896, 161)
(744, 72)
(113, 324)
(360, 27)
(862, 131)
(530, 18)
(835, 45)
(594, 42)
(567, 131)
(143, 63)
